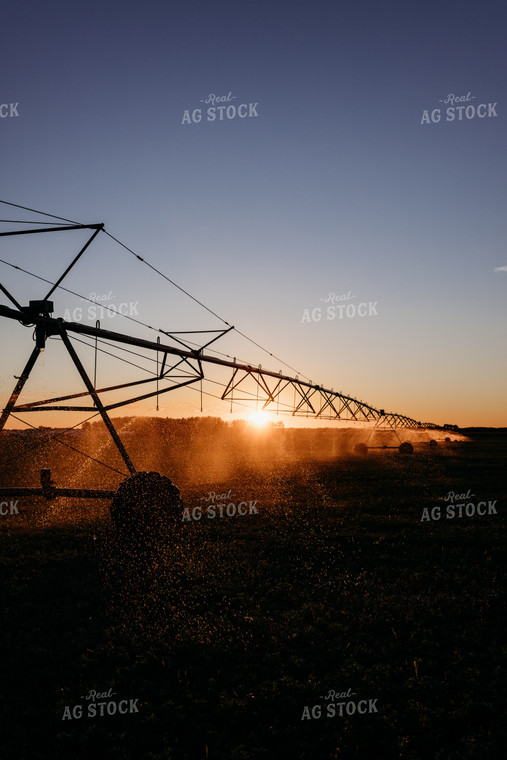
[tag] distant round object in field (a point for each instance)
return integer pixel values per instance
(361, 448)
(433, 443)
(406, 448)
(447, 440)
(146, 505)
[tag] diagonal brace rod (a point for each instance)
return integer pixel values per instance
(91, 390)
(19, 386)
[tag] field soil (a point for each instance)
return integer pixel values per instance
(226, 634)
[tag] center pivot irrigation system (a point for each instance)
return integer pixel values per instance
(179, 364)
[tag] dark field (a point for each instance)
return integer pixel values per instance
(233, 625)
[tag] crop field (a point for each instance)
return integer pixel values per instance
(345, 580)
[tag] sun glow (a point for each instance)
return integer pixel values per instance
(259, 417)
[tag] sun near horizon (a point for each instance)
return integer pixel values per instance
(259, 417)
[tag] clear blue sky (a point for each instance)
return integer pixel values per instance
(335, 186)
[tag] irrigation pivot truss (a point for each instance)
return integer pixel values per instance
(177, 363)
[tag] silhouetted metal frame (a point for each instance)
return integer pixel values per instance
(356, 409)
(47, 326)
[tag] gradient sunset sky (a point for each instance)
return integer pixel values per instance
(334, 187)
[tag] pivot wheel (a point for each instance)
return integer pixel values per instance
(146, 505)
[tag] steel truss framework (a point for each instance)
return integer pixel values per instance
(178, 364)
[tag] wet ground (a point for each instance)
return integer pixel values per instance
(239, 635)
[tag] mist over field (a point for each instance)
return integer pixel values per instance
(341, 573)
(190, 451)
